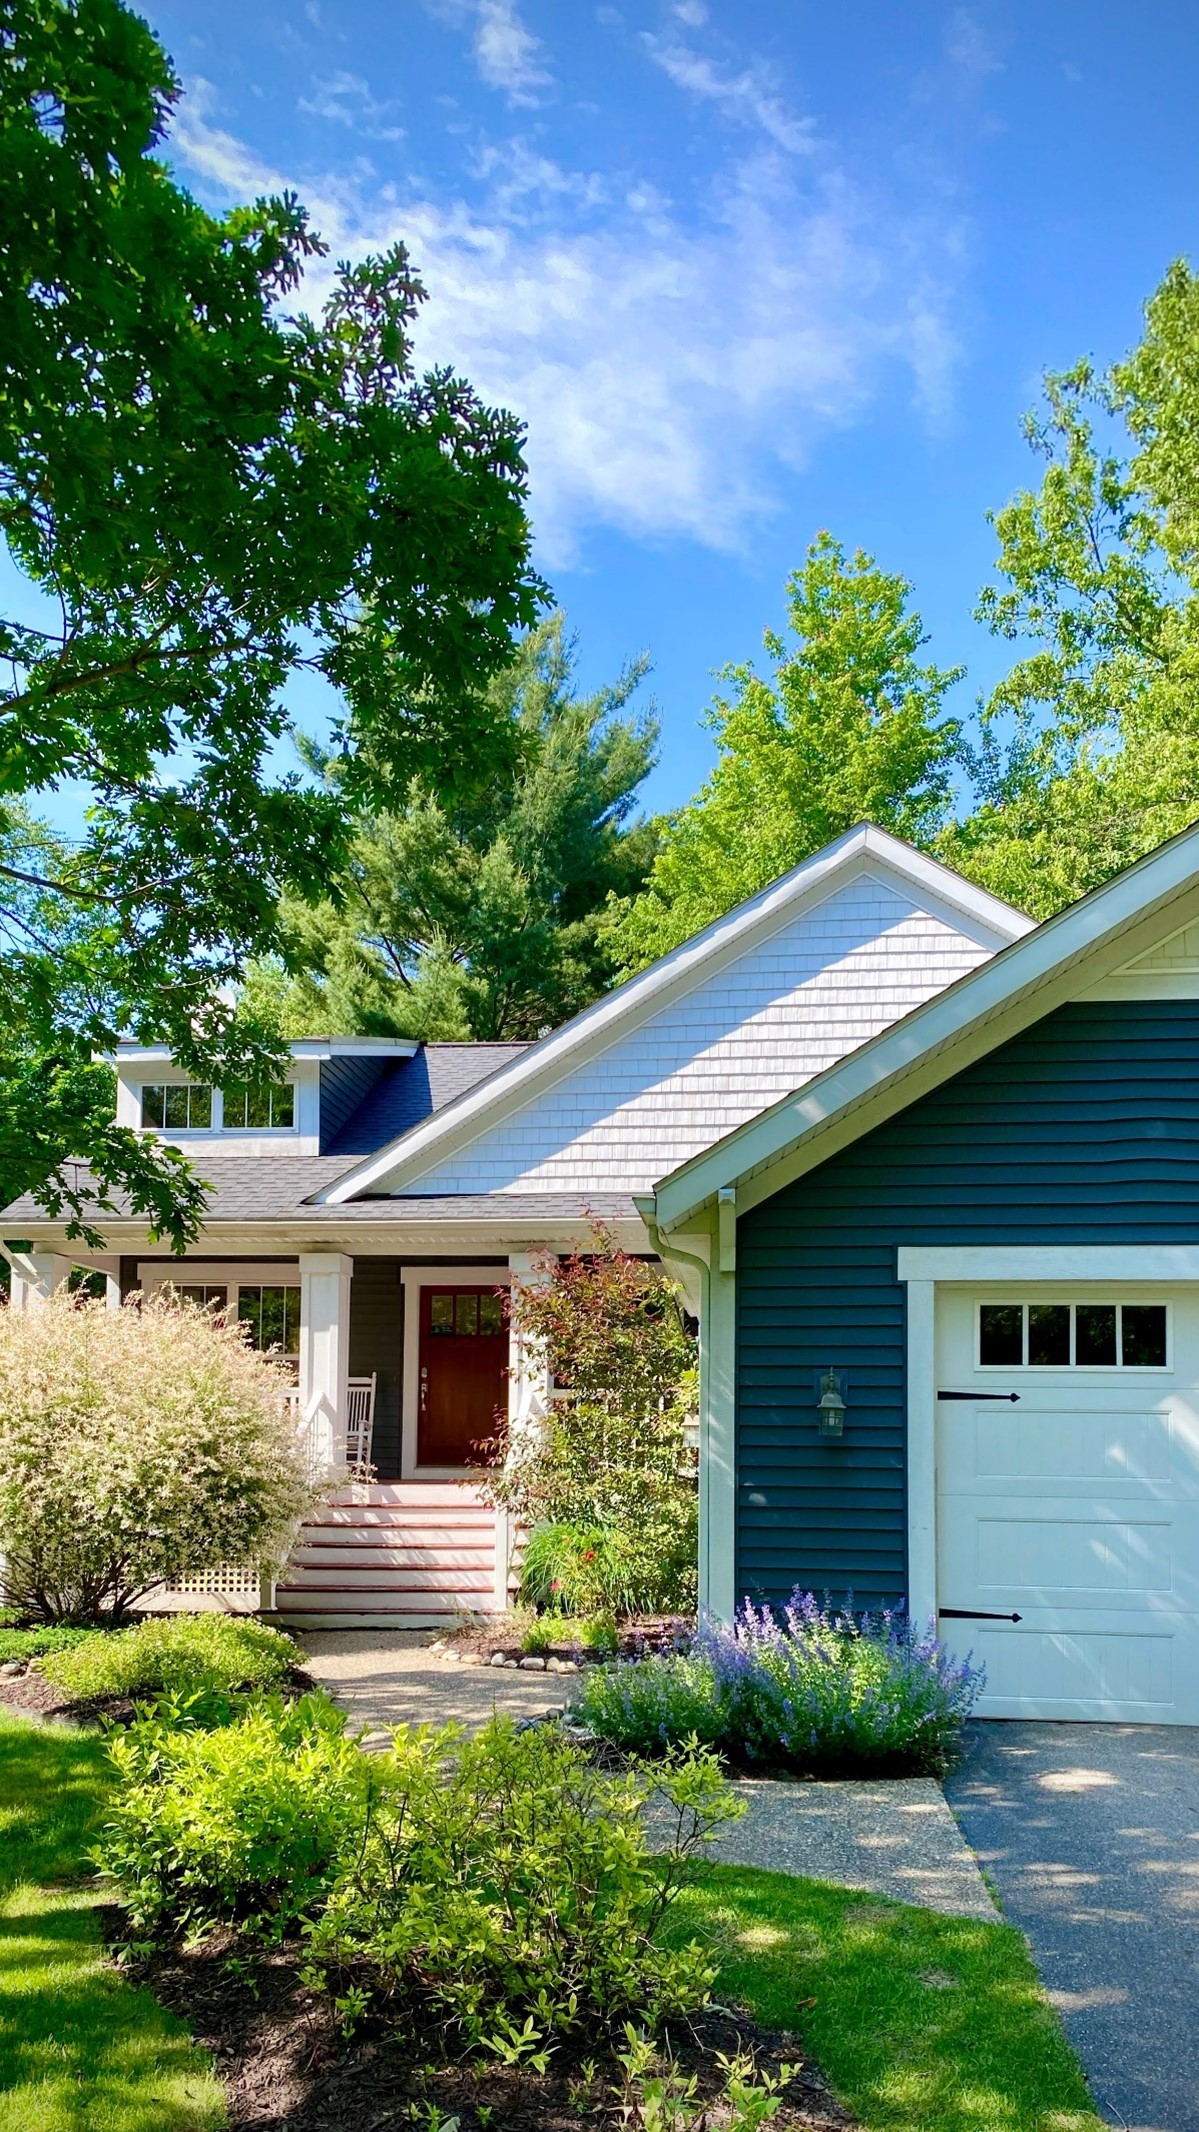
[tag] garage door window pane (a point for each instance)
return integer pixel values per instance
(1001, 1333)
(1095, 1335)
(1143, 1336)
(1048, 1335)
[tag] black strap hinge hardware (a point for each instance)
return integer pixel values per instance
(970, 1613)
(1013, 1396)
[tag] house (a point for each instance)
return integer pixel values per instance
(929, 1175)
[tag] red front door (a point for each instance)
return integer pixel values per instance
(463, 1373)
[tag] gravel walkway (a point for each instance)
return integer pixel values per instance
(897, 1839)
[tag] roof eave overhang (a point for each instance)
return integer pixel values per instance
(1026, 981)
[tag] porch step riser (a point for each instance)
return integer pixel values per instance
(380, 1578)
(331, 1559)
(410, 1495)
(353, 1608)
(323, 1619)
(434, 1528)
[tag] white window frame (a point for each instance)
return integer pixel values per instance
(153, 1276)
(181, 1132)
(1075, 1369)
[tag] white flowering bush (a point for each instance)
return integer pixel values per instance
(136, 1446)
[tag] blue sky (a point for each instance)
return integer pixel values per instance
(746, 268)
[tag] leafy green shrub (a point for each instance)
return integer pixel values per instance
(178, 1656)
(818, 1692)
(539, 1636)
(136, 1445)
(505, 1880)
(598, 1633)
(612, 1467)
(577, 1569)
(36, 1643)
(648, 1705)
(245, 1824)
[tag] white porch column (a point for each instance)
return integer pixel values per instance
(528, 1405)
(325, 1354)
(36, 1275)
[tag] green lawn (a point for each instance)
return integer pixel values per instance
(80, 2049)
(922, 2023)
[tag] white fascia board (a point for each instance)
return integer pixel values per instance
(948, 1033)
(1122, 1264)
(305, 1047)
(418, 1239)
(862, 850)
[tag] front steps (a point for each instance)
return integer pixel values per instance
(395, 1555)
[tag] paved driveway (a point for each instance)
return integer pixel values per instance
(1091, 1834)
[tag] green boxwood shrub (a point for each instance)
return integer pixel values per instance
(248, 1823)
(175, 1656)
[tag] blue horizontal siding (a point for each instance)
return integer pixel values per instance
(1083, 1130)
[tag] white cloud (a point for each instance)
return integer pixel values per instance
(506, 53)
(750, 97)
(674, 372)
(347, 99)
(692, 12)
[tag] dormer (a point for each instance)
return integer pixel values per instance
(324, 1083)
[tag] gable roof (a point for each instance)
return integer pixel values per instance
(413, 1154)
(1048, 966)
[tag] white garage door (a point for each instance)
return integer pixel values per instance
(1068, 1493)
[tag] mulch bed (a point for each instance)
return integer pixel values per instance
(285, 2067)
(30, 1694)
(476, 1642)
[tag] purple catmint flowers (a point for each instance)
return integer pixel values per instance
(811, 1688)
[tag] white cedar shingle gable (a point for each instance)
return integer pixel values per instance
(825, 982)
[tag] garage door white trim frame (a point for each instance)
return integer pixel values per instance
(920, 1267)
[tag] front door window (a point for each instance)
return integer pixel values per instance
(463, 1374)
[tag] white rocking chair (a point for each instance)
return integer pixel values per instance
(360, 1419)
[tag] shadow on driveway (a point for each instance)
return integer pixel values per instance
(1091, 1835)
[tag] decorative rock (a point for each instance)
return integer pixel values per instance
(511, 1664)
(12, 1670)
(452, 1658)
(568, 1665)
(532, 1664)
(553, 1665)
(497, 1659)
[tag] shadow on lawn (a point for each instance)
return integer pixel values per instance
(81, 2050)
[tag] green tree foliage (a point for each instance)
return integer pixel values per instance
(479, 915)
(1089, 754)
(846, 727)
(203, 494)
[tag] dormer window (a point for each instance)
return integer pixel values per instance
(265, 1108)
(177, 1106)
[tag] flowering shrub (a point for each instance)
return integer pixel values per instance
(136, 1445)
(576, 1569)
(614, 1458)
(820, 1692)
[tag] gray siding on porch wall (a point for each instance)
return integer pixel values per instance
(1083, 1130)
(377, 1345)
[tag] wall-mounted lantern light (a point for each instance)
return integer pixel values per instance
(830, 1401)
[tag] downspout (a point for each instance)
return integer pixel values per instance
(648, 1210)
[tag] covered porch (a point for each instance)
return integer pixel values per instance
(400, 1368)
